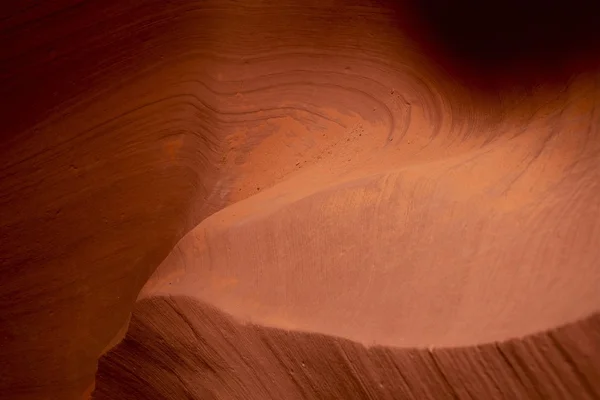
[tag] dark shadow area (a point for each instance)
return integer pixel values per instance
(491, 44)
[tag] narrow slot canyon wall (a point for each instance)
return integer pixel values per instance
(364, 199)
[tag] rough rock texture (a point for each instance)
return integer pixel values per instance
(308, 199)
(179, 348)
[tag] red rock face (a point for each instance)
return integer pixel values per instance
(299, 200)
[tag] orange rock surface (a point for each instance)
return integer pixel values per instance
(364, 199)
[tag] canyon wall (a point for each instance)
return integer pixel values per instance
(299, 199)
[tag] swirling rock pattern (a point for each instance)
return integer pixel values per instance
(297, 199)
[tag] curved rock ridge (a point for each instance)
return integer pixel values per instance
(344, 168)
(180, 348)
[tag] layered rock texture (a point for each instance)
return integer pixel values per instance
(298, 199)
